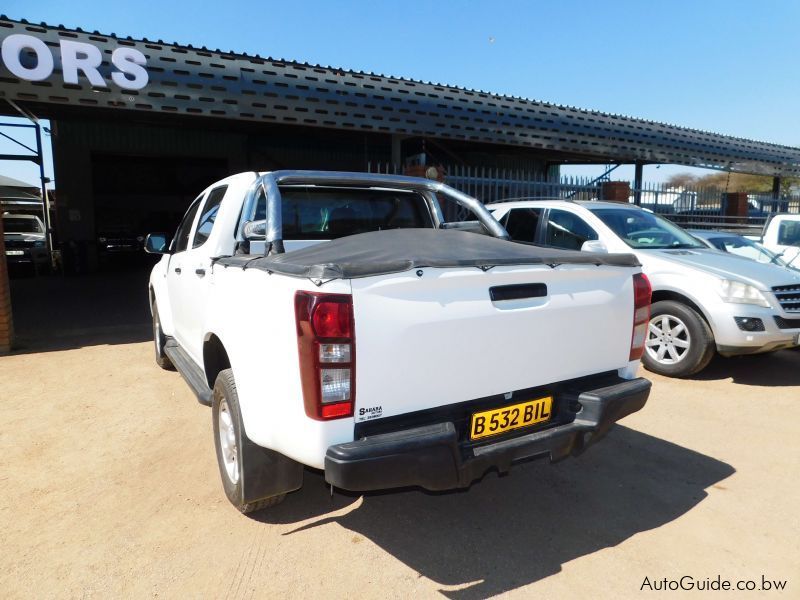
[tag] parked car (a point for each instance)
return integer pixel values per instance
(119, 242)
(24, 237)
(740, 246)
(704, 301)
(335, 321)
(781, 234)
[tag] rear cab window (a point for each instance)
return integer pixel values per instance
(789, 233)
(319, 213)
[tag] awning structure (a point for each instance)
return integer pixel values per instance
(185, 82)
(18, 194)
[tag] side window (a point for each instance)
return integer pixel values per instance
(789, 233)
(181, 241)
(522, 223)
(566, 230)
(208, 216)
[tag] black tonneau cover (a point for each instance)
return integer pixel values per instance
(398, 250)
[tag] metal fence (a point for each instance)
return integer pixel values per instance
(490, 184)
(691, 207)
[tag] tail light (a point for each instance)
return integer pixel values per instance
(641, 315)
(326, 347)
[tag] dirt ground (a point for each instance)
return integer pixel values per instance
(110, 489)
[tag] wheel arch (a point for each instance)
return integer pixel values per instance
(659, 295)
(215, 358)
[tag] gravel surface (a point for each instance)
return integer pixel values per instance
(110, 488)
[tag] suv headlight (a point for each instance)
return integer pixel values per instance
(38, 244)
(738, 292)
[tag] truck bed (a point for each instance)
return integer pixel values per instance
(398, 250)
(443, 317)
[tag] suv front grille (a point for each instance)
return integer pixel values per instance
(18, 244)
(787, 323)
(788, 297)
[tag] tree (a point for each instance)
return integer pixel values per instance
(732, 182)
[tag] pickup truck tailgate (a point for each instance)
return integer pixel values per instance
(433, 337)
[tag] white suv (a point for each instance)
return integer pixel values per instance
(703, 300)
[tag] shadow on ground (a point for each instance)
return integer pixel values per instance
(770, 370)
(60, 313)
(508, 532)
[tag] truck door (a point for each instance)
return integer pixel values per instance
(176, 275)
(192, 293)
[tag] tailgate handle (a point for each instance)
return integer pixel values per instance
(518, 291)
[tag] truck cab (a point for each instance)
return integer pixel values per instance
(781, 234)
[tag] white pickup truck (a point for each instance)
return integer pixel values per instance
(782, 235)
(336, 321)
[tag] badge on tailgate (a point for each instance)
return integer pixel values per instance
(508, 418)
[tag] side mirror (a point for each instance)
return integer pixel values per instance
(156, 243)
(255, 230)
(594, 246)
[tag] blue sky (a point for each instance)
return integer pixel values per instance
(728, 67)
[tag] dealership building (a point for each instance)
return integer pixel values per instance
(139, 127)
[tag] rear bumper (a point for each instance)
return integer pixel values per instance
(432, 458)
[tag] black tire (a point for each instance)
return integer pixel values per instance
(159, 339)
(226, 397)
(696, 333)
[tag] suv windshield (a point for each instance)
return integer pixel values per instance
(20, 225)
(642, 229)
(748, 248)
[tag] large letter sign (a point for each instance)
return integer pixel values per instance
(130, 63)
(77, 56)
(13, 46)
(78, 59)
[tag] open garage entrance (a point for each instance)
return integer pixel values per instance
(135, 195)
(148, 128)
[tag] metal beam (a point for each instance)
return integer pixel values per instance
(33, 159)
(638, 176)
(18, 143)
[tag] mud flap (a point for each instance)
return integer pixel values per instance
(267, 473)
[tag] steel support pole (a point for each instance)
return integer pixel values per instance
(48, 231)
(638, 173)
(397, 153)
(776, 187)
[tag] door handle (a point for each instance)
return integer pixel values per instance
(200, 272)
(178, 270)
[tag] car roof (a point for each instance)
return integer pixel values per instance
(588, 204)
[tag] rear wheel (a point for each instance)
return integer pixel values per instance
(679, 341)
(233, 446)
(159, 339)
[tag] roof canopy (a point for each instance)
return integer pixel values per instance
(182, 80)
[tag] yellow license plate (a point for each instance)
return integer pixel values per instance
(508, 418)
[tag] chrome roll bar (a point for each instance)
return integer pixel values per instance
(273, 226)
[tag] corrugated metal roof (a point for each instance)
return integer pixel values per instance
(200, 82)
